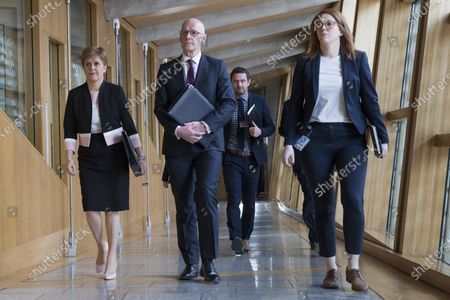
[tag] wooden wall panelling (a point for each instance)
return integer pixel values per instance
(429, 164)
(391, 58)
(276, 183)
(348, 9)
(366, 27)
(32, 188)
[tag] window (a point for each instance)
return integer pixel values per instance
(410, 54)
(124, 65)
(136, 109)
(402, 126)
(15, 78)
(55, 108)
(80, 35)
(445, 228)
(151, 78)
(396, 181)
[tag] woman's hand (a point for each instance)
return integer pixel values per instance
(288, 158)
(71, 168)
(143, 166)
(384, 150)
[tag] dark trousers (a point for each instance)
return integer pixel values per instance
(337, 145)
(194, 178)
(241, 176)
(308, 209)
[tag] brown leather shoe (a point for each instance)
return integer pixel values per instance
(246, 245)
(331, 280)
(355, 278)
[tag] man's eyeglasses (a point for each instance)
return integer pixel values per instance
(192, 32)
(328, 24)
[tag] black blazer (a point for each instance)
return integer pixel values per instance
(282, 129)
(361, 99)
(213, 82)
(268, 127)
(112, 108)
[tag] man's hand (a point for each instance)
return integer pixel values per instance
(288, 158)
(198, 126)
(191, 132)
(254, 130)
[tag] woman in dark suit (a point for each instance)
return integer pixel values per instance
(96, 112)
(333, 93)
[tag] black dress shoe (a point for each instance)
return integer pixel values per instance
(209, 271)
(236, 246)
(314, 246)
(189, 272)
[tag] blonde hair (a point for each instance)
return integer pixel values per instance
(347, 39)
(93, 51)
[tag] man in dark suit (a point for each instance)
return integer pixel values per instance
(245, 154)
(194, 150)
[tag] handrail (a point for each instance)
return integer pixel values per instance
(397, 115)
(441, 140)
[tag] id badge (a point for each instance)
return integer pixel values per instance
(302, 142)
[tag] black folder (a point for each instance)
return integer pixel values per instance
(131, 155)
(190, 106)
(376, 143)
(253, 116)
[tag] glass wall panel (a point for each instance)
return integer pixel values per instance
(55, 122)
(445, 231)
(136, 109)
(14, 99)
(400, 136)
(124, 60)
(80, 34)
(394, 195)
(410, 54)
(151, 78)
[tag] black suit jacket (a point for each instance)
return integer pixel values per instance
(213, 82)
(268, 127)
(361, 99)
(112, 108)
(282, 129)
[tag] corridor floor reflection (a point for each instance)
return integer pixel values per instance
(279, 266)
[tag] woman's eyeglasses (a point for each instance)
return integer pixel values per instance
(327, 23)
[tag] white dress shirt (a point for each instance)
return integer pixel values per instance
(330, 103)
(196, 60)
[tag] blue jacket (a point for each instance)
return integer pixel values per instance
(361, 99)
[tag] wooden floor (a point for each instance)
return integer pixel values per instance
(279, 266)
